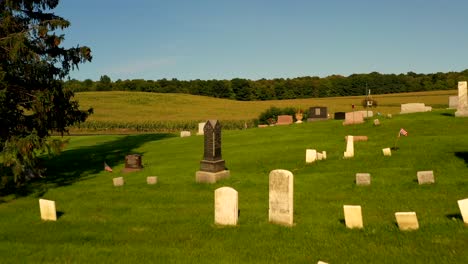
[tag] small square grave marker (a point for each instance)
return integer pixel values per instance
(119, 181)
(387, 152)
(353, 216)
(311, 155)
(425, 177)
(151, 180)
(376, 122)
(363, 178)
(185, 134)
(463, 205)
(407, 220)
(47, 208)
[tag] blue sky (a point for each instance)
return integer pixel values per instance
(218, 39)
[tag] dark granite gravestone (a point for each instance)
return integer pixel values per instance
(132, 163)
(340, 115)
(212, 167)
(317, 113)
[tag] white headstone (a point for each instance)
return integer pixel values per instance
(324, 154)
(200, 128)
(376, 122)
(349, 153)
(311, 155)
(425, 177)
(353, 216)
(407, 220)
(281, 197)
(453, 102)
(226, 206)
(151, 180)
(387, 152)
(321, 262)
(414, 108)
(319, 156)
(185, 134)
(119, 181)
(47, 208)
(363, 179)
(462, 108)
(463, 205)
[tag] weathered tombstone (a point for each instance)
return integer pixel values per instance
(357, 138)
(212, 167)
(389, 116)
(321, 262)
(349, 153)
(47, 208)
(119, 181)
(414, 108)
(463, 205)
(284, 120)
(324, 153)
(151, 180)
(311, 155)
(319, 156)
(462, 108)
(340, 115)
(200, 128)
(425, 177)
(387, 152)
(317, 113)
(366, 113)
(281, 197)
(353, 216)
(226, 206)
(133, 163)
(185, 134)
(352, 118)
(407, 220)
(376, 122)
(453, 102)
(363, 179)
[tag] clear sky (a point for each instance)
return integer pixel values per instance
(254, 39)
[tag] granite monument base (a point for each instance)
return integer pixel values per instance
(211, 177)
(212, 165)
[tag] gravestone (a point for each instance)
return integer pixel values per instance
(321, 262)
(453, 102)
(425, 177)
(349, 153)
(462, 108)
(340, 115)
(151, 180)
(353, 216)
(352, 118)
(317, 113)
(133, 163)
(376, 122)
(463, 205)
(387, 152)
(407, 220)
(281, 195)
(357, 138)
(201, 126)
(389, 116)
(119, 181)
(185, 134)
(284, 120)
(212, 167)
(363, 179)
(47, 208)
(324, 153)
(319, 156)
(226, 206)
(366, 113)
(311, 155)
(414, 108)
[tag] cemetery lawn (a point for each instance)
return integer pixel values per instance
(173, 221)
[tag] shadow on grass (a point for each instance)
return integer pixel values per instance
(79, 164)
(59, 214)
(455, 216)
(462, 155)
(448, 114)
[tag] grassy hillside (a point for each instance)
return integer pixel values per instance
(182, 111)
(173, 222)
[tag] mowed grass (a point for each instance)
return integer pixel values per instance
(173, 221)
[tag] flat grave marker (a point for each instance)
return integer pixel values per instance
(363, 179)
(119, 181)
(425, 177)
(353, 216)
(151, 180)
(407, 220)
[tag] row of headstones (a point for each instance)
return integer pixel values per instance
(186, 133)
(281, 205)
(119, 181)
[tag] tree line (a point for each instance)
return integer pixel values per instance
(280, 88)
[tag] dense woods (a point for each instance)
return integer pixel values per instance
(301, 87)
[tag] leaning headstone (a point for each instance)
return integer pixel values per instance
(151, 180)
(284, 120)
(349, 153)
(119, 181)
(200, 128)
(353, 216)
(453, 102)
(352, 118)
(414, 108)
(462, 108)
(185, 134)
(226, 206)
(363, 179)
(425, 177)
(463, 205)
(212, 167)
(376, 122)
(407, 220)
(281, 195)
(311, 155)
(133, 163)
(340, 115)
(47, 208)
(317, 113)
(387, 152)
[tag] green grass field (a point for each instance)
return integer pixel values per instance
(173, 221)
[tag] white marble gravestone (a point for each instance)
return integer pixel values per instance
(200, 128)
(425, 177)
(321, 262)
(119, 181)
(185, 134)
(363, 179)
(407, 220)
(463, 205)
(319, 156)
(387, 152)
(151, 180)
(324, 154)
(281, 197)
(414, 108)
(311, 155)
(462, 108)
(226, 206)
(47, 208)
(353, 216)
(376, 122)
(349, 153)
